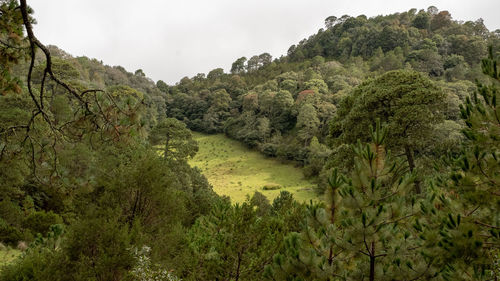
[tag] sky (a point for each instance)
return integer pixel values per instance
(169, 39)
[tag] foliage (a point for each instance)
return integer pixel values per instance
(407, 101)
(82, 182)
(237, 241)
(144, 270)
(364, 230)
(177, 139)
(468, 239)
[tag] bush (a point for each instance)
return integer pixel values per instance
(40, 222)
(271, 186)
(9, 235)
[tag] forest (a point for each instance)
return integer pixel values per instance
(394, 118)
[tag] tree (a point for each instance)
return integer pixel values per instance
(81, 154)
(432, 10)
(238, 66)
(252, 64)
(318, 85)
(426, 58)
(215, 73)
(281, 110)
(422, 20)
(364, 232)
(330, 21)
(162, 86)
(473, 229)
(407, 101)
(11, 40)
(139, 72)
(307, 123)
(440, 20)
(176, 138)
(233, 242)
(265, 59)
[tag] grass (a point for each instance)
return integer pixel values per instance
(7, 255)
(236, 171)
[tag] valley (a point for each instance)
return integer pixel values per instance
(237, 171)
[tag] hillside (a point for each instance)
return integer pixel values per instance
(285, 107)
(102, 177)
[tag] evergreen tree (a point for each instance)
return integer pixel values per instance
(177, 140)
(364, 232)
(236, 242)
(464, 231)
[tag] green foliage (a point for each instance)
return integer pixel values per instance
(475, 176)
(81, 184)
(144, 270)
(322, 70)
(80, 157)
(239, 65)
(307, 122)
(407, 101)
(40, 222)
(12, 44)
(364, 229)
(176, 138)
(237, 241)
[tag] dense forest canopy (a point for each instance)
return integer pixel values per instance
(395, 117)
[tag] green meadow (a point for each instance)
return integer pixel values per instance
(7, 255)
(237, 171)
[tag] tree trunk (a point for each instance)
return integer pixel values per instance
(372, 263)
(411, 164)
(238, 268)
(332, 221)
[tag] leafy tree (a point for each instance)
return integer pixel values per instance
(422, 20)
(440, 20)
(215, 73)
(317, 85)
(162, 86)
(265, 59)
(455, 67)
(330, 21)
(407, 101)
(307, 123)
(238, 66)
(11, 38)
(253, 63)
(139, 72)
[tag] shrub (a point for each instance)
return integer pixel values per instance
(40, 222)
(271, 186)
(9, 235)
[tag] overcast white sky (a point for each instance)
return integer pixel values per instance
(172, 39)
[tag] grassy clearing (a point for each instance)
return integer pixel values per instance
(7, 255)
(235, 171)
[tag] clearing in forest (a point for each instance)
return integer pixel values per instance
(237, 171)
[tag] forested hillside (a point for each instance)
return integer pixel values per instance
(395, 116)
(285, 107)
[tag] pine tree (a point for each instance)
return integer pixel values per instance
(364, 232)
(464, 231)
